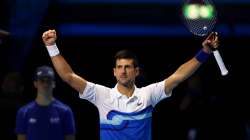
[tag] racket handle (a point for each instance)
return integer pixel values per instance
(220, 62)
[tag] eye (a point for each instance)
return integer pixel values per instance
(129, 66)
(119, 67)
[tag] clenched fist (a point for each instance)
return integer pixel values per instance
(49, 37)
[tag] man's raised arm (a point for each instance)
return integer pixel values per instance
(61, 66)
(188, 68)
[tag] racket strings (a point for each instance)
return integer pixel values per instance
(200, 27)
(199, 16)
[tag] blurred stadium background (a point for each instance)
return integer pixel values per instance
(207, 105)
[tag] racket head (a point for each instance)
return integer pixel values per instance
(199, 16)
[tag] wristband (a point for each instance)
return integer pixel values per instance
(202, 56)
(53, 50)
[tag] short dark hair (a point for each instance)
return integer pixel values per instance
(126, 54)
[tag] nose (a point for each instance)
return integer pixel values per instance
(123, 70)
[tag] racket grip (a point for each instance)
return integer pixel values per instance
(220, 62)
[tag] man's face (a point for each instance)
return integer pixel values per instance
(125, 72)
(44, 84)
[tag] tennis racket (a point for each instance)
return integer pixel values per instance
(200, 16)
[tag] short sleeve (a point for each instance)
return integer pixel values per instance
(157, 92)
(21, 127)
(95, 93)
(69, 122)
(89, 92)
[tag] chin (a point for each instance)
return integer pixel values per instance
(125, 82)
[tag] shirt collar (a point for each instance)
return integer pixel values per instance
(119, 95)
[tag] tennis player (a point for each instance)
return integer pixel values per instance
(125, 110)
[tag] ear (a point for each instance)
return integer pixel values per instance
(114, 72)
(54, 84)
(35, 84)
(137, 71)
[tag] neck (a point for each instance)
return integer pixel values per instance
(126, 90)
(44, 99)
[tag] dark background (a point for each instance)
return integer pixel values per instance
(91, 32)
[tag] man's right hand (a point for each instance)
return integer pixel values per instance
(211, 42)
(49, 37)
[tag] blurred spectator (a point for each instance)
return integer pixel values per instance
(12, 85)
(190, 106)
(10, 100)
